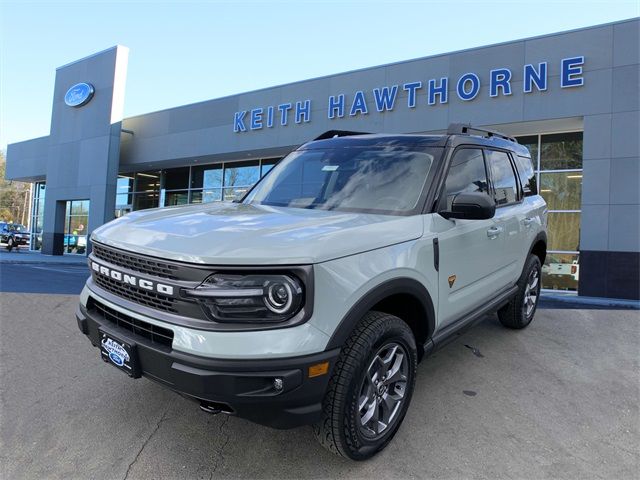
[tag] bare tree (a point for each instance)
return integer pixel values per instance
(14, 197)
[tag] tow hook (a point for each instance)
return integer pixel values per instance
(208, 408)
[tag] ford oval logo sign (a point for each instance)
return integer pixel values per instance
(79, 94)
(117, 359)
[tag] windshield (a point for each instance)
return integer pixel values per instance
(387, 180)
(15, 227)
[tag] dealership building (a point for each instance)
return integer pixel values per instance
(572, 98)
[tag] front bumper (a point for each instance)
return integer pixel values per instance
(241, 387)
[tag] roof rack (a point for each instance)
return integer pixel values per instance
(466, 129)
(338, 133)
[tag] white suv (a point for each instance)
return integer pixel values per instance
(313, 299)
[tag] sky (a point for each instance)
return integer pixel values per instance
(183, 52)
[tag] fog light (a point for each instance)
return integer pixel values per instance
(278, 384)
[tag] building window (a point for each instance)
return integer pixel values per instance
(558, 161)
(239, 178)
(198, 184)
(124, 196)
(75, 227)
(37, 216)
(146, 192)
(206, 183)
(267, 165)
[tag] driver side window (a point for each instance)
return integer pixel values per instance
(466, 174)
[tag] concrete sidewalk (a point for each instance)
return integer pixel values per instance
(28, 256)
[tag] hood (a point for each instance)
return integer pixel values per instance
(242, 234)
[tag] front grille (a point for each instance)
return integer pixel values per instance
(137, 295)
(134, 262)
(153, 333)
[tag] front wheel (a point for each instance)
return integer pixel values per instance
(519, 312)
(10, 244)
(370, 388)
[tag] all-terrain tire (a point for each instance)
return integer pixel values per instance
(519, 313)
(340, 429)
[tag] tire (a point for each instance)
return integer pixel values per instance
(10, 244)
(379, 341)
(519, 312)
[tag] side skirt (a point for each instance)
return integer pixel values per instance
(457, 328)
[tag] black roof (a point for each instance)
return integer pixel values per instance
(377, 140)
(354, 139)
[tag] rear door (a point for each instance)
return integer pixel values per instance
(509, 212)
(471, 263)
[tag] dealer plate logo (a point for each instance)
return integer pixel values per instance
(117, 352)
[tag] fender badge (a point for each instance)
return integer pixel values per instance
(452, 280)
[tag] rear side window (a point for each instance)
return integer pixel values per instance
(466, 174)
(527, 175)
(505, 188)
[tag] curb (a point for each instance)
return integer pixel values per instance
(38, 262)
(591, 301)
(39, 259)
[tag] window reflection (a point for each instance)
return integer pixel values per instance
(561, 271)
(531, 142)
(183, 185)
(561, 191)
(561, 151)
(563, 231)
(241, 174)
(124, 187)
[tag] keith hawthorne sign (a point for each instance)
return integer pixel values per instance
(435, 91)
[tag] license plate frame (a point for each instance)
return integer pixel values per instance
(122, 354)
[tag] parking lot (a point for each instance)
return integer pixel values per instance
(557, 400)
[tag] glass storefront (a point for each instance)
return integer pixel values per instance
(558, 161)
(37, 216)
(75, 227)
(183, 185)
(146, 190)
(124, 197)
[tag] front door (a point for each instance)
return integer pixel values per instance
(76, 226)
(471, 251)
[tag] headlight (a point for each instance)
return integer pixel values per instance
(249, 298)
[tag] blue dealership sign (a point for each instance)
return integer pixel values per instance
(78, 95)
(420, 93)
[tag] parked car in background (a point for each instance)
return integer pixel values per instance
(14, 235)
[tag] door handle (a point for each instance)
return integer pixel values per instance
(493, 232)
(528, 221)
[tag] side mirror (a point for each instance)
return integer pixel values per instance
(471, 206)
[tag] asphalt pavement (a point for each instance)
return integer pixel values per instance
(557, 400)
(43, 277)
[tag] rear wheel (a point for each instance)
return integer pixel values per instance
(519, 312)
(370, 388)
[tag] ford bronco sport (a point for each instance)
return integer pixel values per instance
(312, 300)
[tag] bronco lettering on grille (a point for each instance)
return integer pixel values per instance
(131, 279)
